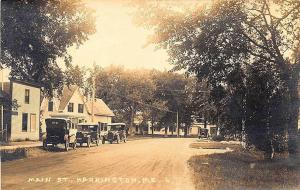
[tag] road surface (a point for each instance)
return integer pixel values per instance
(150, 164)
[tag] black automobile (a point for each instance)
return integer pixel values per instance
(88, 133)
(202, 133)
(117, 132)
(60, 131)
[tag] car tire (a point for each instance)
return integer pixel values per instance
(89, 142)
(74, 145)
(118, 139)
(67, 144)
(44, 144)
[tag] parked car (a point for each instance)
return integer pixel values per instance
(60, 131)
(202, 133)
(88, 133)
(117, 132)
(104, 132)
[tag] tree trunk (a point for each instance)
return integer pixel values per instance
(166, 131)
(131, 129)
(269, 153)
(293, 139)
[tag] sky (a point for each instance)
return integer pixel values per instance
(118, 40)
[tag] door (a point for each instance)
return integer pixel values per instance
(32, 122)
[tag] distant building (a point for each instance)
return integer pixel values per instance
(195, 129)
(21, 102)
(102, 113)
(73, 105)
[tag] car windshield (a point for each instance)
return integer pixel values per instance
(117, 127)
(87, 128)
(56, 123)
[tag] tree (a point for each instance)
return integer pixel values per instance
(75, 75)
(227, 39)
(36, 33)
(172, 88)
(127, 92)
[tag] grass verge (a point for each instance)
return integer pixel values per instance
(241, 170)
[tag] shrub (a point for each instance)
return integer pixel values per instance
(218, 138)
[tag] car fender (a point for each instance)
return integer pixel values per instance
(66, 137)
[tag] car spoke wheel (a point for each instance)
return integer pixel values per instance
(44, 144)
(118, 139)
(67, 145)
(89, 142)
(74, 145)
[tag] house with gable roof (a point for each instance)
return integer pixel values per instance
(73, 105)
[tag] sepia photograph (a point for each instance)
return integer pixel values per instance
(150, 94)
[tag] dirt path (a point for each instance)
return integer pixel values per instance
(158, 164)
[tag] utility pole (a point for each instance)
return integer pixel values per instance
(2, 105)
(93, 97)
(177, 125)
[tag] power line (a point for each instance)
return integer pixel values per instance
(166, 110)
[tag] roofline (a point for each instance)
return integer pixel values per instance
(77, 87)
(32, 84)
(111, 124)
(102, 114)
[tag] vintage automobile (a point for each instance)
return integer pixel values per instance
(117, 132)
(60, 131)
(88, 133)
(104, 132)
(202, 133)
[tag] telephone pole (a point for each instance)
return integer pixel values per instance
(177, 125)
(93, 97)
(2, 105)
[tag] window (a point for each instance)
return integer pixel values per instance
(27, 93)
(71, 107)
(50, 106)
(32, 122)
(24, 122)
(80, 108)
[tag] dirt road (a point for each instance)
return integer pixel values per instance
(158, 164)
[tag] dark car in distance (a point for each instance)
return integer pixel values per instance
(117, 132)
(88, 133)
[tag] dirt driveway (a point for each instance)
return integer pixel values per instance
(158, 164)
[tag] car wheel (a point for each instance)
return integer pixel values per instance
(89, 142)
(44, 144)
(74, 145)
(67, 144)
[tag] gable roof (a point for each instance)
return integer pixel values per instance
(100, 108)
(67, 94)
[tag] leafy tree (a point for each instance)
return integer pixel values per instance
(75, 75)
(172, 89)
(221, 43)
(126, 92)
(37, 32)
